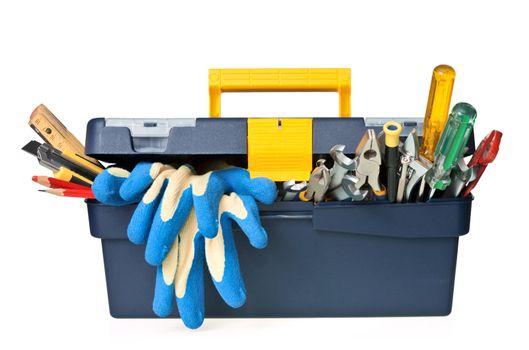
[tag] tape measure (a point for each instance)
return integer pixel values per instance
(53, 132)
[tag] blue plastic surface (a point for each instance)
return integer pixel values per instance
(328, 260)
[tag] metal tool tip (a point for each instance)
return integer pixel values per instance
(339, 148)
(432, 192)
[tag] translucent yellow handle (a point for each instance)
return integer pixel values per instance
(437, 109)
(280, 79)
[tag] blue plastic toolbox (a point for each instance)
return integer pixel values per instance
(328, 259)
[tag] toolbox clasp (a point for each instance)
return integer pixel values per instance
(280, 149)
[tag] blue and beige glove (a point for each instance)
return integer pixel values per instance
(172, 201)
(181, 274)
(183, 190)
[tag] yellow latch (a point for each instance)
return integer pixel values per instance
(280, 149)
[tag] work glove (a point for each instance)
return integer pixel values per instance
(166, 196)
(181, 274)
(167, 220)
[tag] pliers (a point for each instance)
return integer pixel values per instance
(369, 161)
(319, 181)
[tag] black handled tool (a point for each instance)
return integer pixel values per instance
(392, 132)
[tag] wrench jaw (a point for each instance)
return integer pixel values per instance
(416, 171)
(405, 161)
(417, 166)
(342, 165)
(411, 145)
(285, 189)
(349, 190)
(349, 184)
(341, 159)
(291, 190)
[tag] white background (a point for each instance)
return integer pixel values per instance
(127, 59)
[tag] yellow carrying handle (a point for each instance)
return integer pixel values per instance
(280, 79)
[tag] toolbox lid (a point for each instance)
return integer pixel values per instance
(111, 139)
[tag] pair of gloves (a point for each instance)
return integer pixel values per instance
(184, 219)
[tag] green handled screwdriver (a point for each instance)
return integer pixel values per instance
(451, 146)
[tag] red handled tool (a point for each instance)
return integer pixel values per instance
(484, 155)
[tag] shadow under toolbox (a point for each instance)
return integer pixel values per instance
(325, 259)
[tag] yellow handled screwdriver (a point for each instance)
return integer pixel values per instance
(437, 109)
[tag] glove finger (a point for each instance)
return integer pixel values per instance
(244, 211)
(238, 180)
(207, 190)
(189, 279)
(223, 265)
(107, 184)
(140, 179)
(164, 290)
(170, 217)
(162, 304)
(141, 221)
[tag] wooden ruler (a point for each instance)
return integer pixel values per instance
(55, 133)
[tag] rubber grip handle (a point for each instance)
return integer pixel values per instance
(392, 160)
(392, 131)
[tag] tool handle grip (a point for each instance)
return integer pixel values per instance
(455, 135)
(278, 80)
(437, 109)
(66, 174)
(392, 161)
(84, 163)
(452, 145)
(392, 131)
